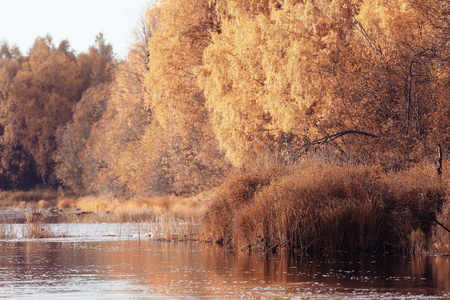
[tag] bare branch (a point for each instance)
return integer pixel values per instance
(322, 141)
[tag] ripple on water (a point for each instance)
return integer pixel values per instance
(114, 261)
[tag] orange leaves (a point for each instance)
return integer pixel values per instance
(308, 67)
(265, 73)
(182, 32)
(44, 90)
(233, 80)
(237, 8)
(239, 76)
(179, 140)
(39, 97)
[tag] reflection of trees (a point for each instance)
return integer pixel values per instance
(196, 269)
(201, 269)
(433, 268)
(43, 263)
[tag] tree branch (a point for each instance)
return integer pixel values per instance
(330, 138)
(440, 224)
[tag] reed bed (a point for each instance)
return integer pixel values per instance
(152, 209)
(319, 205)
(91, 209)
(440, 240)
(36, 228)
(169, 229)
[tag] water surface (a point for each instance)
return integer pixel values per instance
(113, 262)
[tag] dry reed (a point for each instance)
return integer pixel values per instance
(325, 206)
(145, 209)
(36, 228)
(104, 208)
(440, 241)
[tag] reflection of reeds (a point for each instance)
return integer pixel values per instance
(325, 206)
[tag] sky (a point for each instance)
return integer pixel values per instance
(79, 21)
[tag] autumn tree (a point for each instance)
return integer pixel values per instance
(96, 73)
(211, 82)
(114, 161)
(386, 77)
(96, 66)
(38, 94)
(17, 168)
(72, 138)
(307, 69)
(266, 74)
(183, 150)
(439, 13)
(103, 142)
(40, 99)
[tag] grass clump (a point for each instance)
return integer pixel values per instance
(325, 206)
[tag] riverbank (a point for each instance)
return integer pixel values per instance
(51, 207)
(318, 206)
(29, 214)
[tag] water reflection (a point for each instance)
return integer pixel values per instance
(135, 269)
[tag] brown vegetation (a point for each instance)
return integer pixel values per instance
(325, 206)
(36, 228)
(22, 199)
(47, 206)
(440, 241)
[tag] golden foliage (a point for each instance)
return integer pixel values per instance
(39, 94)
(179, 142)
(265, 74)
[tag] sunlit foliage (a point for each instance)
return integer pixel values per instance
(96, 69)
(213, 83)
(310, 68)
(180, 140)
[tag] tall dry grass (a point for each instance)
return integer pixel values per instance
(36, 228)
(170, 208)
(234, 198)
(70, 208)
(23, 199)
(319, 205)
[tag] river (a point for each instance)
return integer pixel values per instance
(116, 261)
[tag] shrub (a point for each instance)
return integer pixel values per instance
(320, 205)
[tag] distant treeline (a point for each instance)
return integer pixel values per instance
(212, 85)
